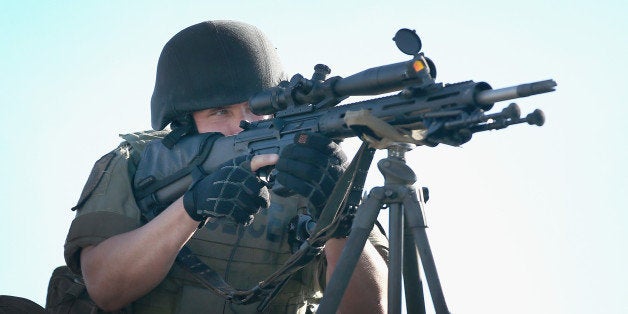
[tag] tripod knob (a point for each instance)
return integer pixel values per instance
(396, 171)
(425, 192)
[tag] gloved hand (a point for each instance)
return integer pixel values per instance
(311, 166)
(232, 191)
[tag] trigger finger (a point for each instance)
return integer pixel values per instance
(264, 160)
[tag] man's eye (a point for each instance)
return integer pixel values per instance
(220, 112)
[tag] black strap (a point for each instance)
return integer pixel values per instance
(207, 276)
(180, 127)
(348, 192)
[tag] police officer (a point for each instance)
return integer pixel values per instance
(205, 75)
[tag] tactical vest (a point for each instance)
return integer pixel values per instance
(242, 255)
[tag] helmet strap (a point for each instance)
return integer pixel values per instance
(180, 127)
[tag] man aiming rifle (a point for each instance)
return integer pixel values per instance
(179, 221)
(126, 254)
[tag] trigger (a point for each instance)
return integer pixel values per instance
(267, 175)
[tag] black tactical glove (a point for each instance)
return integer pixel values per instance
(311, 166)
(232, 191)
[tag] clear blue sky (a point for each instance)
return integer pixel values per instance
(525, 220)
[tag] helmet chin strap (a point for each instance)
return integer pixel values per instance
(180, 127)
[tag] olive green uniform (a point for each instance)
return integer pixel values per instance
(242, 255)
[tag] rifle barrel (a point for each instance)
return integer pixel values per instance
(494, 95)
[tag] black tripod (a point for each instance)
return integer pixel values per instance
(407, 235)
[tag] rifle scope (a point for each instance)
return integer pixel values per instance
(373, 81)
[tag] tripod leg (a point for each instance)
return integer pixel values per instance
(395, 255)
(413, 286)
(363, 223)
(416, 223)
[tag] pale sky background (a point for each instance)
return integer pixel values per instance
(524, 220)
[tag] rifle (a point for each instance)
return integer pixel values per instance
(423, 112)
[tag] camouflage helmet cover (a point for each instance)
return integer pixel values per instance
(212, 64)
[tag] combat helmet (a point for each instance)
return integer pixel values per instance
(211, 64)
